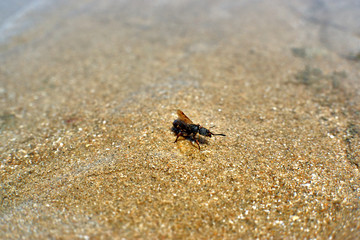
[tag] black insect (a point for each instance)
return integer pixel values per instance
(184, 127)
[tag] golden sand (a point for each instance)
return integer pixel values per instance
(87, 102)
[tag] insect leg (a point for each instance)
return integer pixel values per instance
(177, 136)
(197, 142)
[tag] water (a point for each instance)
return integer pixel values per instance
(338, 25)
(18, 15)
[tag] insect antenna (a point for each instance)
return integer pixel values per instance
(219, 134)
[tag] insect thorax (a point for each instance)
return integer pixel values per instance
(194, 128)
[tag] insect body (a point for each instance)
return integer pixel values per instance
(183, 126)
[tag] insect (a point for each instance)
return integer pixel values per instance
(184, 127)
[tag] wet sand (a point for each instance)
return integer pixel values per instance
(88, 98)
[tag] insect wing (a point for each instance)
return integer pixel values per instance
(183, 117)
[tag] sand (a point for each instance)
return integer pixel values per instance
(89, 93)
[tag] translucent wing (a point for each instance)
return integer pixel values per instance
(183, 117)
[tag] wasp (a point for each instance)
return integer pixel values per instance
(184, 127)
